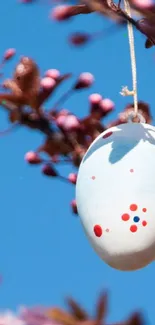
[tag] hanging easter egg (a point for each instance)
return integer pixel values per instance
(115, 195)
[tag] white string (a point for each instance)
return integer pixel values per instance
(125, 91)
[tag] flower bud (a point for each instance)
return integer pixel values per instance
(52, 73)
(33, 158)
(94, 100)
(49, 171)
(79, 39)
(9, 54)
(71, 123)
(72, 178)
(85, 80)
(61, 12)
(107, 105)
(47, 83)
(74, 207)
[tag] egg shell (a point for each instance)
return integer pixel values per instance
(115, 195)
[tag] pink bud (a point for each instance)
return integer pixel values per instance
(95, 98)
(79, 39)
(107, 105)
(47, 83)
(61, 12)
(72, 178)
(74, 207)
(71, 123)
(32, 158)
(9, 54)
(60, 120)
(143, 4)
(49, 171)
(52, 73)
(85, 80)
(61, 117)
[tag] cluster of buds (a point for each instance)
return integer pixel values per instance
(66, 136)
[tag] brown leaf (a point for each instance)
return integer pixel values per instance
(76, 310)
(101, 308)
(135, 319)
(12, 98)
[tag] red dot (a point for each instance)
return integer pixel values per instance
(98, 230)
(93, 177)
(107, 135)
(133, 228)
(107, 230)
(133, 207)
(144, 223)
(144, 210)
(131, 170)
(125, 217)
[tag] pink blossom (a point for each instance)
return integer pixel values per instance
(52, 73)
(71, 123)
(9, 54)
(95, 98)
(36, 315)
(85, 80)
(142, 3)
(72, 178)
(8, 318)
(107, 105)
(60, 120)
(61, 12)
(61, 117)
(32, 158)
(47, 83)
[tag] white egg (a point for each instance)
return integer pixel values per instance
(115, 195)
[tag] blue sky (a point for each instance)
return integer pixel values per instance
(44, 254)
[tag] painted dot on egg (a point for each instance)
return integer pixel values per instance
(107, 230)
(133, 228)
(107, 135)
(133, 207)
(136, 219)
(144, 223)
(98, 230)
(125, 217)
(144, 209)
(93, 177)
(131, 170)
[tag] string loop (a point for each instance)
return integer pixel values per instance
(132, 115)
(125, 91)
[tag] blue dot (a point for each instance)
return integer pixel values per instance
(136, 219)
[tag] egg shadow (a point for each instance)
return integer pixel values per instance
(120, 148)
